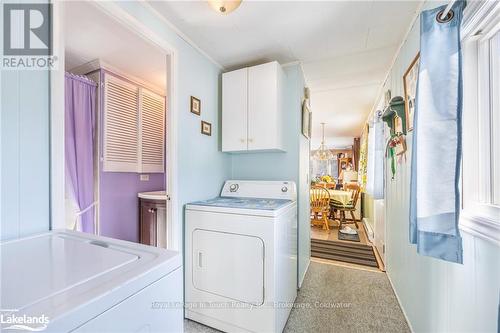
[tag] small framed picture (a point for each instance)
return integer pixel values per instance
(410, 78)
(206, 128)
(195, 105)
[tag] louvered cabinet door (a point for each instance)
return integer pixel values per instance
(121, 122)
(152, 115)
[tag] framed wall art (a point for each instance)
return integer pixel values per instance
(206, 128)
(195, 105)
(410, 78)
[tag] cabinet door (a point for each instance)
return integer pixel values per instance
(234, 110)
(152, 131)
(161, 226)
(148, 224)
(264, 122)
(121, 121)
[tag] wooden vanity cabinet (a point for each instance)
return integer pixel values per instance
(152, 229)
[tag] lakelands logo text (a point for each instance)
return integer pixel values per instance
(27, 36)
(12, 321)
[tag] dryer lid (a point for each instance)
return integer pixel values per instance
(244, 203)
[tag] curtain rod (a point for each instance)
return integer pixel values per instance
(447, 9)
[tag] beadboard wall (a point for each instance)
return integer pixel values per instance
(436, 296)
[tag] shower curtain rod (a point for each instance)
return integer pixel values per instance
(447, 9)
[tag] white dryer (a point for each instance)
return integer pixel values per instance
(64, 281)
(241, 257)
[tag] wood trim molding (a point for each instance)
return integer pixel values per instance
(478, 15)
(174, 232)
(481, 227)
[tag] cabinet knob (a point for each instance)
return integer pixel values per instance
(250, 140)
(242, 140)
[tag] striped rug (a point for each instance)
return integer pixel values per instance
(360, 254)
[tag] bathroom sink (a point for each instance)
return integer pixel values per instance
(154, 195)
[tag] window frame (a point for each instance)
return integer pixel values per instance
(480, 216)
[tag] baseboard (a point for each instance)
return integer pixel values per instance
(369, 230)
(400, 304)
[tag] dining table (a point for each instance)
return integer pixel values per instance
(344, 197)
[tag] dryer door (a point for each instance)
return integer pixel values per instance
(229, 265)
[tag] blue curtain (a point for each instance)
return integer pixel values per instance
(437, 139)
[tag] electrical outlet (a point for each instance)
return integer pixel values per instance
(144, 178)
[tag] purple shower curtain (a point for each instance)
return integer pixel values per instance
(79, 145)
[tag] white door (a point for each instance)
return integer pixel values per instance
(229, 265)
(234, 110)
(263, 129)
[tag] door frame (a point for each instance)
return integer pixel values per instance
(57, 182)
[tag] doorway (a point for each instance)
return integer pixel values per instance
(338, 231)
(148, 64)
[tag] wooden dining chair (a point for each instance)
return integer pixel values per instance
(320, 205)
(350, 207)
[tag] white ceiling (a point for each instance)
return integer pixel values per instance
(345, 47)
(91, 34)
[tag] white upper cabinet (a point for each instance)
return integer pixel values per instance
(252, 109)
(234, 110)
(133, 128)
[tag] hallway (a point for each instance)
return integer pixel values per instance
(339, 299)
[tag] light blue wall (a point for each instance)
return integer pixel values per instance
(285, 166)
(436, 296)
(24, 153)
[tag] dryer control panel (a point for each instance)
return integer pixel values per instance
(260, 189)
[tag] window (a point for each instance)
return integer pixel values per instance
(481, 120)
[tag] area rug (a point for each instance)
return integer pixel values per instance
(359, 254)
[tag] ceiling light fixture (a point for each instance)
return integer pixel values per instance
(224, 7)
(323, 153)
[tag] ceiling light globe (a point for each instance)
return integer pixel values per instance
(224, 7)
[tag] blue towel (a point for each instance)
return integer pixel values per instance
(437, 138)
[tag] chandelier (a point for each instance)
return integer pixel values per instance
(323, 153)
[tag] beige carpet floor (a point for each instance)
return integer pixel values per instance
(339, 299)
